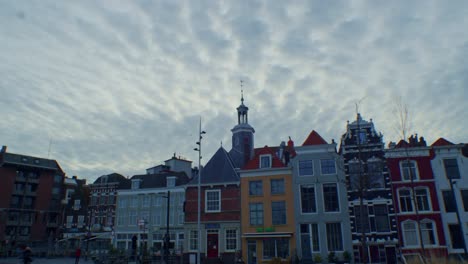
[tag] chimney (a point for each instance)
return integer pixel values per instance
(4, 149)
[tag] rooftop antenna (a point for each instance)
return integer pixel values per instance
(242, 91)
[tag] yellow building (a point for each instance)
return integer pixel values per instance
(267, 206)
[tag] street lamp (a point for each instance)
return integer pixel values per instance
(167, 238)
(198, 149)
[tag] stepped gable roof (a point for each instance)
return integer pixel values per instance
(254, 163)
(158, 180)
(441, 142)
(219, 169)
(314, 139)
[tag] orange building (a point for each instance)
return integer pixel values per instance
(267, 211)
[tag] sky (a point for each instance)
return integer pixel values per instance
(120, 86)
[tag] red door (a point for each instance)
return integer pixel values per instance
(212, 246)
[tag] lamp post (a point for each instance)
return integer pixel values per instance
(167, 238)
(198, 149)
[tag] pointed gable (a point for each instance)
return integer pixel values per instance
(314, 139)
(254, 163)
(219, 169)
(441, 142)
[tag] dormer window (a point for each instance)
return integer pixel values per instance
(136, 184)
(265, 161)
(171, 181)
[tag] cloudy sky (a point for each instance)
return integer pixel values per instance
(119, 86)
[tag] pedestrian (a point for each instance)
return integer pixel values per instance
(27, 255)
(77, 255)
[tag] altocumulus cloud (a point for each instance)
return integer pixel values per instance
(119, 86)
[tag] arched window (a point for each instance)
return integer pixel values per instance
(410, 233)
(428, 232)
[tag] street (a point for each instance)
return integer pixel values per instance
(45, 261)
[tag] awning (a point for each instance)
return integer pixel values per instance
(267, 234)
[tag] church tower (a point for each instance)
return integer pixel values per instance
(242, 137)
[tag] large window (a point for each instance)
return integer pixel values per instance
(382, 223)
(309, 240)
(193, 240)
(361, 219)
(255, 188)
(213, 201)
(277, 186)
(231, 239)
(306, 168)
(156, 215)
(355, 174)
(449, 201)
(456, 236)
(464, 195)
(422, 199)
(265, 161)
(256, 214)
(375, 175)
(334, 237)
(428, 232)
(406, 204)
(132, 217)
(278, 212)
(410, 233)
(308, 204)
(328, 166)
(146, 201)
(330, 197)
(275, 247)
(451, 169)
(408, 170)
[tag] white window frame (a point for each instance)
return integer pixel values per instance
(260, 165)
(342, 236)
(193, 240)
(402, 170)
(321, 169)
(337, 196)
(434, 230)
(315, 200)
(206, 201)
(226, 240)
(428, 197)
(411, 200)
(418, 243)
(299, 166)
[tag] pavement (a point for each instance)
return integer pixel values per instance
(45, 261)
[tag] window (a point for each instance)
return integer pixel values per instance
(134, 201)
(157, 200)
(306, 168)
(428, 232)
(146, 201)
(193, 240)
(355, 169)
(410, 234)
(181, 218)
(334, 237)
(374, 172)
(156, 215)
(121, 219)
(256, 214)
(362, 137)
(361, 220)
(277, 186)
(231, 239)
(422, 199)
(456, 236)
(69, 221)
(449, 201)
(382, 223)
(275, 247)
(464, 195)
(255, 188)
(76, 204)
(451, 169)
(171, 181)
(328, 166)
(406, 205)
(265, 161)
(278, 213)
(408, 170)
(309, 240)
(122, 202)
(213, 201)
(132, 218)
(136, 184)
(330, 197)
(80, 222)
(308, 199)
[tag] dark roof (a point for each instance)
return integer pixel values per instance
(314, 139)
(254, 163)
(122, 181)
(441, 142)
(29, 161)
(158, 180)
(219, 169)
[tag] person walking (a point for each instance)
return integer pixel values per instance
(27, 255)
(77, 255)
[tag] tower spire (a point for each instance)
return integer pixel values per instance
(242, 91)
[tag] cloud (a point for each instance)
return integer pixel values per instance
(121, 87)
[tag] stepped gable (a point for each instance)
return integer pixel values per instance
(314, 138)
(441, 142)
(254, 163)
(219, 169)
